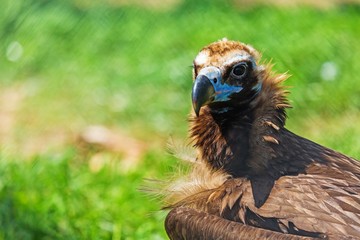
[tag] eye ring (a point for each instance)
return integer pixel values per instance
(240, 70)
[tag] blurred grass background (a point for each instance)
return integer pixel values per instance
(91, 91)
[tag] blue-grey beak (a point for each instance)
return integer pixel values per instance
(202, 92)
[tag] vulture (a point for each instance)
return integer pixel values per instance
(252, 178)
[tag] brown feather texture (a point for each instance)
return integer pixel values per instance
(252, 178)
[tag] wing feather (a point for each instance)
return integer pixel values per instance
(187, 223)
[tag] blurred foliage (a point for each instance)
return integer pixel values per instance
(124, 64)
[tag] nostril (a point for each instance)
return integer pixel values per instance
(215, 80)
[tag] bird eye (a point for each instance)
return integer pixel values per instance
(239, 70)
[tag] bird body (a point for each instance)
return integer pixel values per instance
(252, 171)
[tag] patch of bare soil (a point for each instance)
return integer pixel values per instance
(12, 138)
(26, 138)
(10, 103)
(106, 145)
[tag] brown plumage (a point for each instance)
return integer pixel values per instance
(253, 178)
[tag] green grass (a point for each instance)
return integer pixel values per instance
(128, 67)
(57, 197)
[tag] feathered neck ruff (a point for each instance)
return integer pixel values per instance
(223, 144)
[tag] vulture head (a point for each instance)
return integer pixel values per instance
(227, 77)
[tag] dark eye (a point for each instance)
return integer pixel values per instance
(239, 70)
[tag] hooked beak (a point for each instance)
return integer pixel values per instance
(202, 92)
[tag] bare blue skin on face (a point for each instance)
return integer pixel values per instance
(209, 87)
(222, 90)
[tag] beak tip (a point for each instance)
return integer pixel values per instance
(196, 108)
(197, 112)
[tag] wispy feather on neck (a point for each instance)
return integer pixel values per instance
(195, 178)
